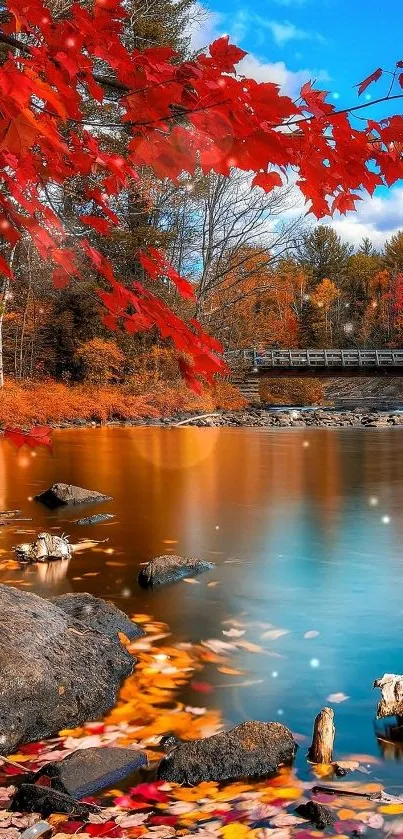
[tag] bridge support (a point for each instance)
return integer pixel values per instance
(249, 386)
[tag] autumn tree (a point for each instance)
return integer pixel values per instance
(101, 361)
(393, 253)
(323, 298)
(322, 254)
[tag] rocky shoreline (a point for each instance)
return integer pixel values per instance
(261, 417)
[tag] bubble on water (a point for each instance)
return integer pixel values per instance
(280, 712)
(217, 527)
(306, 444)
(314, 662)
(373, 501)
(274, 674)
(385, 519)
(126, 592)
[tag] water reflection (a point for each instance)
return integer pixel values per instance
(304, 526)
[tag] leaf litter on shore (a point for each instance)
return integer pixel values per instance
(148, 708)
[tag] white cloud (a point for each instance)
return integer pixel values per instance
(377, 218)
(286, 31)
(290, 81)
(207, 26)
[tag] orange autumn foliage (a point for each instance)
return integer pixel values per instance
(55, 402)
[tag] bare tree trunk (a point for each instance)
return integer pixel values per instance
(2, 311)
(321, 750)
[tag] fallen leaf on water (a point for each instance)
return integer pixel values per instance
(336, 698)
(234, 633)
(311, 634)
(191, 580)
(213, 583)
(391, 809)
(286, 819)
(217, 646)
(273, 634)
(230, 671)
(202, 687)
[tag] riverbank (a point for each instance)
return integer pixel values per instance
(64, 406)
(257, 418)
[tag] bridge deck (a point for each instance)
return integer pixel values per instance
(351, 362)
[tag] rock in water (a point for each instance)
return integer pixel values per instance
(391, 703)
(59, 495)
(32, 798)
(56, 671)
(98, 518)
(168, 569)
(87, 771)
(44, 548)
(252, 749)
(98, 614)
(317, 814)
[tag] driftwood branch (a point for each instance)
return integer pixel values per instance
(321, 750)
(192, 419)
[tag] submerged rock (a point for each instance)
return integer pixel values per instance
(56, 671)
(87, 771)
(99, 614)
(32, 798)
(168, 569)
(60, 495)
(252, 749)
(98, 518)
(317, 814)
(44, 548)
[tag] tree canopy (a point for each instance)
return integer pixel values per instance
(72, 83)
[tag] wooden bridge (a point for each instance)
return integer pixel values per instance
(248, 366)
(317, 363)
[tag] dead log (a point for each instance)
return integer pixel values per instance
(321, 750)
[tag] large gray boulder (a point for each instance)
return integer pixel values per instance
(98, 614)
(55, 671)
(252, 749)
(168, 569)
(60, 495)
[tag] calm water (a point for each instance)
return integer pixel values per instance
(305, 528)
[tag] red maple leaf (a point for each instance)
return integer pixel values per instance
(32, 437)
(374, 77)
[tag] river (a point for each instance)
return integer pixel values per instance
(305, 528)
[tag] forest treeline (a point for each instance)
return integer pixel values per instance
(261, 277)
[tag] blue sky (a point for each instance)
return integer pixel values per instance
(336, 42)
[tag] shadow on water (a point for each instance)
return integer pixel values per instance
(305, 528)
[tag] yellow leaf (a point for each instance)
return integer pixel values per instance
(392, 809)
(344, 814)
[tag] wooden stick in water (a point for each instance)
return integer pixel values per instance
(321, 750)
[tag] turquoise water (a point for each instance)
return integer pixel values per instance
(305, 528)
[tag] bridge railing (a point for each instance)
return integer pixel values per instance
(315, 358)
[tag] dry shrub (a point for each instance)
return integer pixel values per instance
(227, 397)
(291, 391)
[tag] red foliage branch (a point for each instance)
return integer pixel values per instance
(179, 116)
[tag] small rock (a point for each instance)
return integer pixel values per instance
(60, 495)
(98, 518)
(98, 614)
(317, 814)
(39, 829)
(32, 798)
(44, 548)
(252, 749)
(168, 569)
(87, 771)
